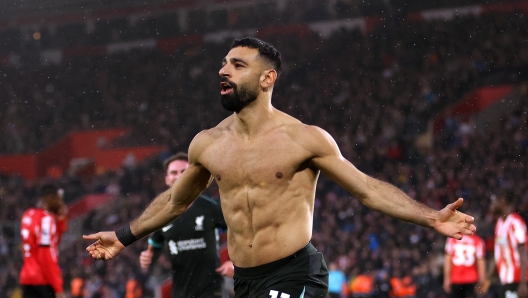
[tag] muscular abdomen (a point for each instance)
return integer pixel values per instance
(268, 223)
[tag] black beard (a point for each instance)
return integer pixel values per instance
(238, 98)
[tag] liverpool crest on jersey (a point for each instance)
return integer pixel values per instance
(199, 223)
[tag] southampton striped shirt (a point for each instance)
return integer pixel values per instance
(464, 255)
(509, 233)
(41, 234)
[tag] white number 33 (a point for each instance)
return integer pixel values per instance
(275, 294)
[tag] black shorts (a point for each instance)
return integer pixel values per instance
(463, 290)
(509, 290)
(303, 274)
(30, 291)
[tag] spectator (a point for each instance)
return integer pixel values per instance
(336, 281)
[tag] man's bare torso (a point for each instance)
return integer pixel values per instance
(267, 188)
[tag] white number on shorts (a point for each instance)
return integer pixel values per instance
(275, 294)
(511, 294)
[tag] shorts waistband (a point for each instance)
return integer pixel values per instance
(267, 269)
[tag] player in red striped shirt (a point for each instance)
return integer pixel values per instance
(464, 266)
(510, 246)
(41, 229)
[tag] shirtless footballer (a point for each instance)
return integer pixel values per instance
(266, 164)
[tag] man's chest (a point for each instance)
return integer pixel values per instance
(261, 161)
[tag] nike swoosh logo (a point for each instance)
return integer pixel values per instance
(166, 228)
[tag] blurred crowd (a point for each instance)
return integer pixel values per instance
(412, 70)
(207, 16)
(375, 94)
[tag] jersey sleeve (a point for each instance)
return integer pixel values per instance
(62, 226)
(156, 239)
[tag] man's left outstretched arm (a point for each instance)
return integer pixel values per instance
(382, 196)
(165, 208)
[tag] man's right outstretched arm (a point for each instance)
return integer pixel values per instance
(164, 209)
(379, 195)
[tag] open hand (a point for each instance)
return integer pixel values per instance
(105, 247)
(453, 223)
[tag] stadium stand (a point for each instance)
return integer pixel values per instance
(388, 89)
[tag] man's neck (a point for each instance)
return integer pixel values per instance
(254, 118)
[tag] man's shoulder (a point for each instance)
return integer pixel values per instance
(34, 212)
(310, 137)
(300, 129)
(516, 217)
(208, 136)
(28, 212)
(293, 126)
(37, 216)
(202, 141)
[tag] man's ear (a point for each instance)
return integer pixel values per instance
(268, 78)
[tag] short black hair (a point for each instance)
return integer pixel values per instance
(48, 190)
(178, 156)
(266, 51)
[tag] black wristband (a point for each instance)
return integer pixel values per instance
(125, 236)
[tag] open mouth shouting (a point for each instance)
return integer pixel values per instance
(225, 88)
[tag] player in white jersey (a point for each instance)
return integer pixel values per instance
(510, 247)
